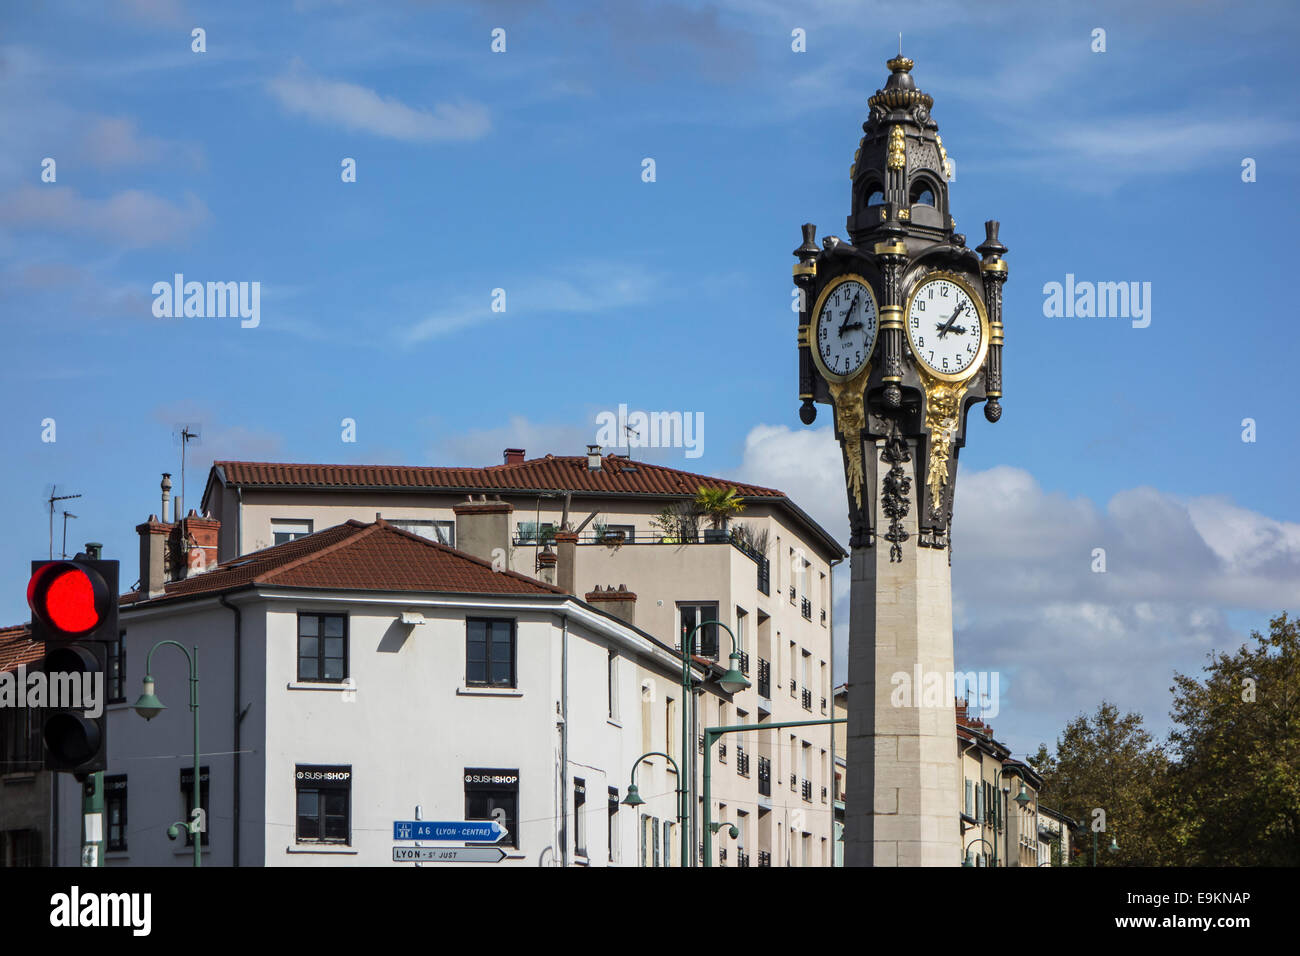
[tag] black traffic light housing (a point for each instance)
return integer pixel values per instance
(75, 614)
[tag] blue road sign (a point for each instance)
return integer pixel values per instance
(458, 831)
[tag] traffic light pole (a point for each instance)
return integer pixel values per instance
(92, 820)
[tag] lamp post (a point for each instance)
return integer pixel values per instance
(149, 706)
(966, 856)
(731, 682)
(634, 798)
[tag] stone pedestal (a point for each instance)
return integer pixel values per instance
(903, 792)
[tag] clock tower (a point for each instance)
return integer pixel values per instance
(900, 332)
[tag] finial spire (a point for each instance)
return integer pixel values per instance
(900, 44)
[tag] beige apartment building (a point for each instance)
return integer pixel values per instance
(594, 526)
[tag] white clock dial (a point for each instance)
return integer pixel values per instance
(946, 327)
(846, 327)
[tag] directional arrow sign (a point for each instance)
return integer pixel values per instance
(450, 854)
(456, 831)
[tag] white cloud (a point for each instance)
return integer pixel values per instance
(134, 217)
(353, 107)
(1026, 602)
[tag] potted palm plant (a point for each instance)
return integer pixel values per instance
(718, 505)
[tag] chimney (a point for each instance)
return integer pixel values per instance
(546, 561)
(593, 458)
(621, 603)
(483, 530)
(566, 546)
(153, 555)
(166, 493)
(194, 544)
(514, 456)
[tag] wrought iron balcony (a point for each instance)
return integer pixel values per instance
(764, 776)
(823, 794)
(794, 687)
(805, 607)
(764, 858)
(722, 856)
(807, 791)
(792, 594)
(794, 782)
(700, 744)
(765, 576)
(764, 678)
(744, 663)
(742, 858)
(823, 615)
(742, 763)
(807, 699)
(722, 751)
(823, 705)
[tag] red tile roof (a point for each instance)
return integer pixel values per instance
(17, 649)
(357, 556)
(618, 475)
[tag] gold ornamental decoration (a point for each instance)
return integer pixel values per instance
(942, 407)
(897, 154)
(850, 419)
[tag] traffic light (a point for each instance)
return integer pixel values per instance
(74, 613)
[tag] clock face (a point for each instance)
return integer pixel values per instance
(946, 328)
(847, 320)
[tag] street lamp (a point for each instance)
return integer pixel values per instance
(731, 682)
(966, 859)
(634, 798)
(149, 706)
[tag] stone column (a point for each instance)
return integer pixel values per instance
(902, 803)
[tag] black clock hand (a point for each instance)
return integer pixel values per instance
(946, 327)
(848, 312)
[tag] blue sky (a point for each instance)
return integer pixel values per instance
(522, 171)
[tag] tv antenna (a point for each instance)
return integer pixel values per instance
(53, 498)
(629, 430)
(64, 551)
(184, 433)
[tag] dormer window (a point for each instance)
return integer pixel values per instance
(922, 195)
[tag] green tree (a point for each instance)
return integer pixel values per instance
(1111, 763)
(1237, 742)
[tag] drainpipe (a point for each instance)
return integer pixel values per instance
(239, 719)
(239, 522)
(564, 740)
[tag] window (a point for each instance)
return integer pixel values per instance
(579, 816)
(613, 686)
(115, 811)
(875, 194)
(611, 825)
(20, 848)
(444, 532)
(922, 194)
(493, 794)
(647, 702)
(669, 826)
(533, 532)
(187, 802)
(322, 647)
(645, 820)
(705, 641)
(489, 652)
(970, 798)
(742, 622)
(21, 750)
(324, 804)
(628, 531)
(115, 672)
(979, 802)
(286, 529)
(654, 835)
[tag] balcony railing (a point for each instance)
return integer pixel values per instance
(764, 576)
(794, 687)
(742, 763)
(764, 678)
(700, 743)
(823, 705)
(823, 794)
(764, 776)
(764, 858)
(722, 856)
(744, 663)
(792, 594)
(807, 699)
(823, 615)
(794, 783)
(807, 791)
(805, 607)
(742, 858)
(722, 751)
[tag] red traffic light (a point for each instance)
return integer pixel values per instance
(71, 600)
